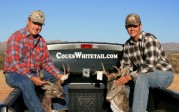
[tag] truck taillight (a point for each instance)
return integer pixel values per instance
(86, 46)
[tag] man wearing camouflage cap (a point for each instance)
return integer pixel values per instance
(27, 53)
(147, 62)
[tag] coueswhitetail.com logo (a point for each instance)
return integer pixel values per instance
(80, 55)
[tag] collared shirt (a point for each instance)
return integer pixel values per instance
(25, 52)
(145, 55)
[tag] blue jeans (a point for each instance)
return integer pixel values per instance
(30, 97)
(156, 79)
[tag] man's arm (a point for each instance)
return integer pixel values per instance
(47, 62)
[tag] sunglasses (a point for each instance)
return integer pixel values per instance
(134, 26)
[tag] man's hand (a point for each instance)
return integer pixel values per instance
(123, 80)
(37, 81)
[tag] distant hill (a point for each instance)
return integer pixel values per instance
(54, 41)
(168, 47)
(171, 47)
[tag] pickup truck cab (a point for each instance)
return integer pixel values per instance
(86, 91)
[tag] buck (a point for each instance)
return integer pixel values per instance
(53, 90)
(116, 94)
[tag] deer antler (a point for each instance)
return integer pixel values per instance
(103, 71)
(66, 72)
(68, 69)
(121, 71)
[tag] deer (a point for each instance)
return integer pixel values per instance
(53, 90)
(116, 94)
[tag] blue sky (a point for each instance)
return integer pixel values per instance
(92, 20)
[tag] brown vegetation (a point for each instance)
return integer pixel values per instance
(174, 60)
(2, 57)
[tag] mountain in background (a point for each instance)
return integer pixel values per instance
(168, 47)
(171, 47)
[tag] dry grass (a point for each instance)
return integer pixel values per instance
(174, 86)
(5, 89)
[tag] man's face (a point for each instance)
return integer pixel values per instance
(134, 31)
(33, 27)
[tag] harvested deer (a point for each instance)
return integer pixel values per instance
(53, 90)
(116, 94)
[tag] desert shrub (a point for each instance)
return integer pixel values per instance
(2, 57)
(174, 60)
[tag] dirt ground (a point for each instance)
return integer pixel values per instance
(5, 89)
(174, 86)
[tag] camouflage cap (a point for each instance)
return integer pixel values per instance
(132, 19)
(37, 16)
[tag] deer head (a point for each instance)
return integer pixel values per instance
(113, 89)
(53, 90)
(116, 94)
